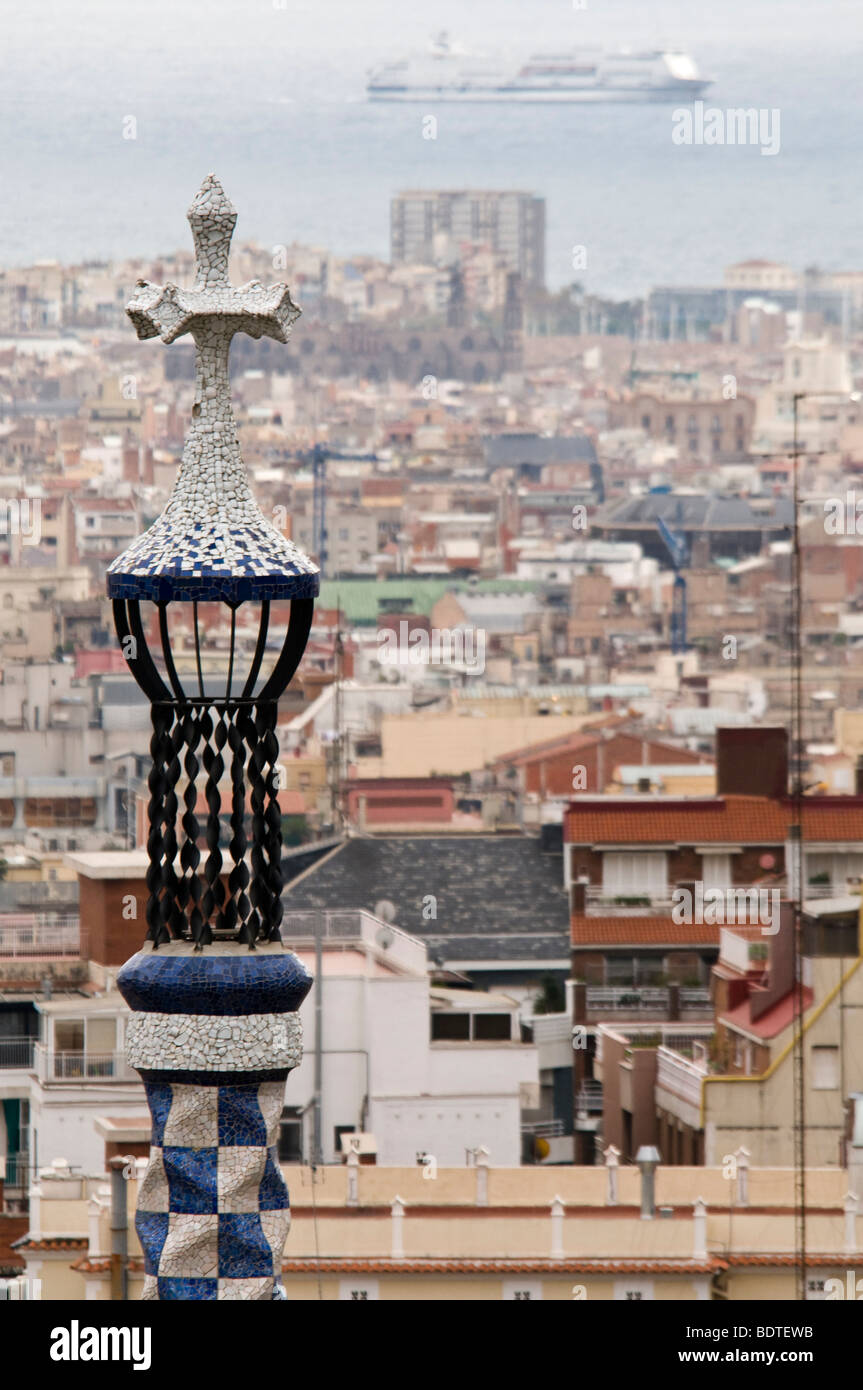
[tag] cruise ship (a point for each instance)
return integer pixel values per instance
(447, 73)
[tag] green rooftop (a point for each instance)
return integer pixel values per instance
(364, 601)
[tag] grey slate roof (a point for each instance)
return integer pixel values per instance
(706, 511)
(497, 897)
(508, 450)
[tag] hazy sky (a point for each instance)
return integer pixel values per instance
(272, 98)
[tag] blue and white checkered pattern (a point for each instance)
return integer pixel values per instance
(213, 1209)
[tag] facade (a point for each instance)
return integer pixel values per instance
(428, 228)
(460, 1078)
(698, 425)
(468, 1233)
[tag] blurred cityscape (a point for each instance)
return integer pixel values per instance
(552, 811)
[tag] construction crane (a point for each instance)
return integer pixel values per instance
(319, 506)
(679, 553)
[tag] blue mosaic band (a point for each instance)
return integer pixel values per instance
(213, 1209)
(213, 1035)
(171, 979)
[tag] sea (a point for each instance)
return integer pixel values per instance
(112, 111)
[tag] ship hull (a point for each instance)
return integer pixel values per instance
(556, 96)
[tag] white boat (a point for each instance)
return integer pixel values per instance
(447, 73)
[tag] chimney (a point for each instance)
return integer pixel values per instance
(699, 1234)
(612, 1165)
(482, 1176)
(742, 1156)
(752, 762)
(851, 1203)
(398, 1219)
(353, 1163)
(558, 1208)
(647, 1159)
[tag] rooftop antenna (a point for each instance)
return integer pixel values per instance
(796, 832)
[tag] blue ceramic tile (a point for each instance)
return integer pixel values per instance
(191, 1175)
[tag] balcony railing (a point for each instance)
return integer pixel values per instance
(81, 1066)
(588, 1100)
(17, 1171)
(544, 1129)
(551, 1028)
(16, 1053)
(645, 999)
(680, 1076)
(605, 902)
(39, 934)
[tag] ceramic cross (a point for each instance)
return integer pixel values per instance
(197, 542)
(213, 311)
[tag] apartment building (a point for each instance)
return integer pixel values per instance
(360, 1233)
(429, 228)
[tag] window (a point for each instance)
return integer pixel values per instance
(838, 866)
(447, 1027)
(634, 874)
(492, 1027)
(450, 1027)
(825, 1068)
(338, 1131)
(716, 870)
(291, 1135)
(69, 1035)
(645, 422)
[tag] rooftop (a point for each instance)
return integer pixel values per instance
(485, 897)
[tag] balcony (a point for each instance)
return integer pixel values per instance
(46, 935)
(77, 1067)
(645, 1001)
(588, 1100)
(16, 1172)
(16, 1054)
(679, 1082)
(356, 928)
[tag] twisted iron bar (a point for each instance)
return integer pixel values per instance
(193, 894)
(190, 895)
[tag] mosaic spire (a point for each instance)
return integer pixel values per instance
(214, 994)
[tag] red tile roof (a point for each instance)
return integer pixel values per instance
(623, 930)
(380, 1265)
(771, 1023)
(785, 1259)
(753, 820)
(101, 1264)
(51, 1243)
